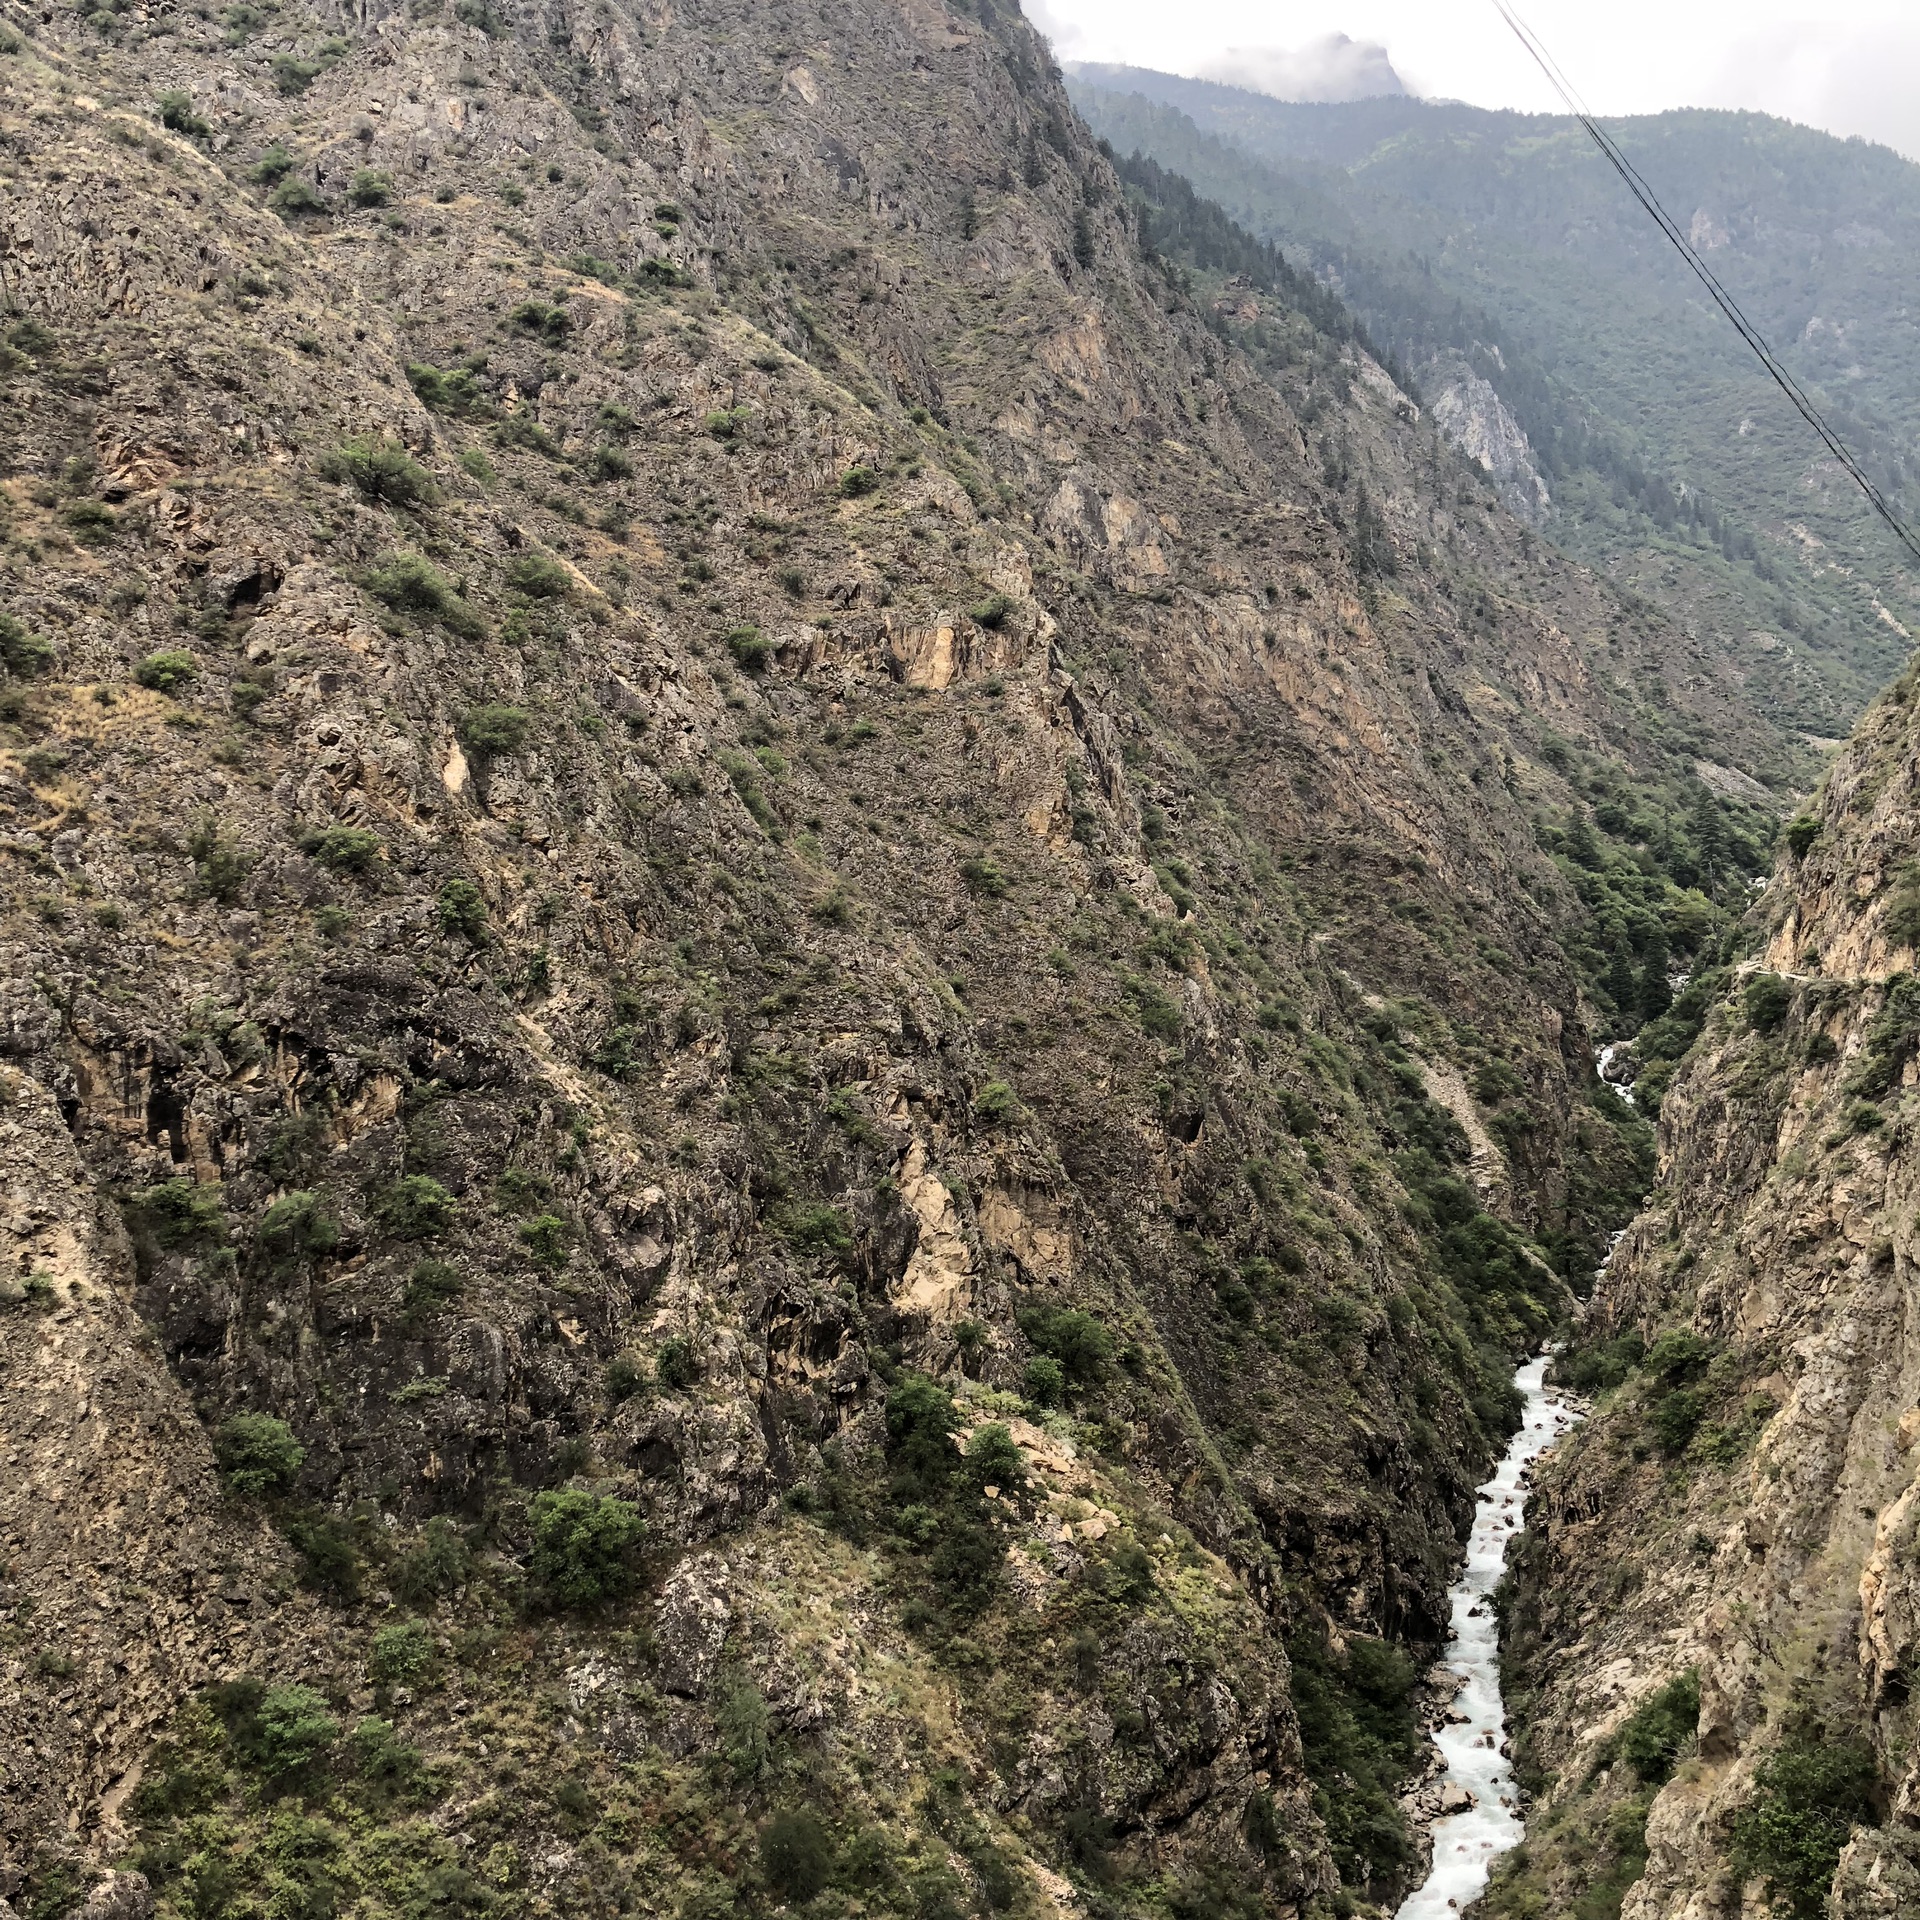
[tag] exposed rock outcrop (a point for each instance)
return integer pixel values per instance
(1469, 411)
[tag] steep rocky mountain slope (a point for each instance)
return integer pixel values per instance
(789, 1045)
(1562, 340)
(1714, 1627)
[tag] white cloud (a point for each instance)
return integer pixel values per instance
(1061, 33)
(1333, 68)
(1848, 66)
(1858, 80)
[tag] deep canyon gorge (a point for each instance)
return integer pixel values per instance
(806, 898)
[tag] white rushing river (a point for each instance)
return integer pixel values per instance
(1466, 1843)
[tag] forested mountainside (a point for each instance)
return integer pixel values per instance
(1564, 343)
(799, 965)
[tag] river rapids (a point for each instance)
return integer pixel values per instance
(1473, 1741)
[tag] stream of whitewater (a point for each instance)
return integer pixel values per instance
(1473, 1741)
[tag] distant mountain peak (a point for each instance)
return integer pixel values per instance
(1332, 70)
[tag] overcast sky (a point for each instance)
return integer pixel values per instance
(1850, 66)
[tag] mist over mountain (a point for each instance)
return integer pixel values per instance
(1335, 68)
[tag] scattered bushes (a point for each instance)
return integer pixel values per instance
(343, 849)
(521, 429)
(1892, 1040)
(1045, 1381)
(417, 1207)
(401, 1653)
(1074, 1340)
(37, 1289)
(1602, 1365)
(1359, 1739)
(751, 649)
(89, 521)
(992, 612)
(552, 324)
(460, 908)
(1800, 834)
(379, 1754)
(938, 1507)
(540, 577)
(1768, 1000)
(409, 583)
(178, 116)
(1807, 1799)
(1157, 1012)
(293, 197)
(23, 652)
(258, 1453)
(329, 1556)
(299, 1226)
(1676, 1406)
(494, 732)
(1676, 1418)
(548, 1240)
(676, 1365)
(370, 187)
(272, 167)
(744, 772)
(618, 1055)
(1678, 1357)
(219, 866)
(456, 393)
(291, 1729)
(381, 470)
(796, 1856)
(744, 1725)
(435, 1567)
(996, 1104)
(984, 877)
(858, 482)
(168, 670)
(430, 1286)
(625, 1379)
(608, 462)
(583, 1546)
(293, 75)
(822, 1230)
(1662, 1725)
(1902, 922)
(1123, 1574)
(178, 1212)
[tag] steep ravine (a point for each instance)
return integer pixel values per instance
(1713, 1629)
(792, 1026)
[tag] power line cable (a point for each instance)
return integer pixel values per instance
(1722, 298)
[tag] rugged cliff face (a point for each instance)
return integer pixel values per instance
(1716, 1621)
(786, 1059)
(1475, 419)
